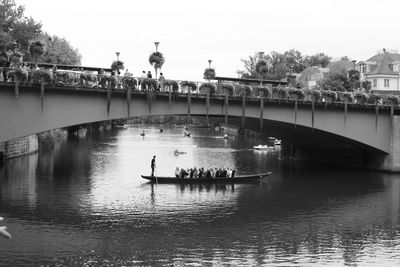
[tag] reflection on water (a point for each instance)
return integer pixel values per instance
(85, 203)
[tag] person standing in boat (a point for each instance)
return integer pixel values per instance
(153, 165)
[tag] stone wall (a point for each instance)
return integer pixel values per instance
(20, 146)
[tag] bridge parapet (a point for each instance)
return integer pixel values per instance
(81, 80)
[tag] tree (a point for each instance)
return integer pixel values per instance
(16, 27)
(294, 61)
(319, 59)
(59, 51)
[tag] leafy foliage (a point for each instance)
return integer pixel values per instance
(172, 84)
(374, 99)
(36, 49)
(296, 94)
(361, 98)
(329, 96)
(242, 89)
(209, 74)
(129, 82)
(117, 65)
(209, 88)
(263, 91)
(282, 93)
(149, 84)
(226, 88)
(157, 60)
(190, 85)
(393, 100)
(16, 59)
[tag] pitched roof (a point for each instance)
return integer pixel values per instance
(383, 62)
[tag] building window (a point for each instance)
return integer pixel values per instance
(395, 67)
(386, 83)
(374, 84)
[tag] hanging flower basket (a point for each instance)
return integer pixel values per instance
(329, 96)
(392, 100)
(16, 59)
(346, 97)
(282, 93)
(361, 98)
(149, 84)
(129, 82)
(36, 49)
(192, 86)
(4, 60)
(243, 90)
(262, 90)
(316, 95)
(209, 88)
(296, 94)
(157, 60)
(174, 86)
(209, 74)
(374, 99)
(226, 88)
(117, 65)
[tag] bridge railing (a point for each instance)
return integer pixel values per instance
(106, 81)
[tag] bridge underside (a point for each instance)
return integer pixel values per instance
(321, 128)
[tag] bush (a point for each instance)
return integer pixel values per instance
(38, 74)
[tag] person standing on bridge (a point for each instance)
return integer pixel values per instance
(153, 165)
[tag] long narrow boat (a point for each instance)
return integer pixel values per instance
(238, 179)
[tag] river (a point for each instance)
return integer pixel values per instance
(83, 203)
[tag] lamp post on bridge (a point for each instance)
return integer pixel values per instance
(209, 63)
(156, 44)
(117, 53)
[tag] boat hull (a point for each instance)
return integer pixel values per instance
(238, 179)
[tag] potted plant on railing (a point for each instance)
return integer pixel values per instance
(242, 90)
(16, 59)
(262, 91)
(392, 100)
(188, 86)
(207, 88)
(361, 98)
(157, 60)
(374, 99)
(209, 74)
(172, 86)
(282, 93)
(20, 75)
(329, 96)
(225, 89)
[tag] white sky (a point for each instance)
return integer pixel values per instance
(191, 32)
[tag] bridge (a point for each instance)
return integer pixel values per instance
(366, 135)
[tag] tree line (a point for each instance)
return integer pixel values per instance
(17, 32)
(278, 66)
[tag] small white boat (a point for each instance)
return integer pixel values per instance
(277, 142)
(263, 147)
(226, 136)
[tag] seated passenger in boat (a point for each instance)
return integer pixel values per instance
(191, 171)
(201, 170)
(177, 172)
(183, 173)
(208, 174)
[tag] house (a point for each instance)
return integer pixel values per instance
(382, 71)
(309, 77)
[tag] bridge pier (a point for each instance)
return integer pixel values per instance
(392, 160)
